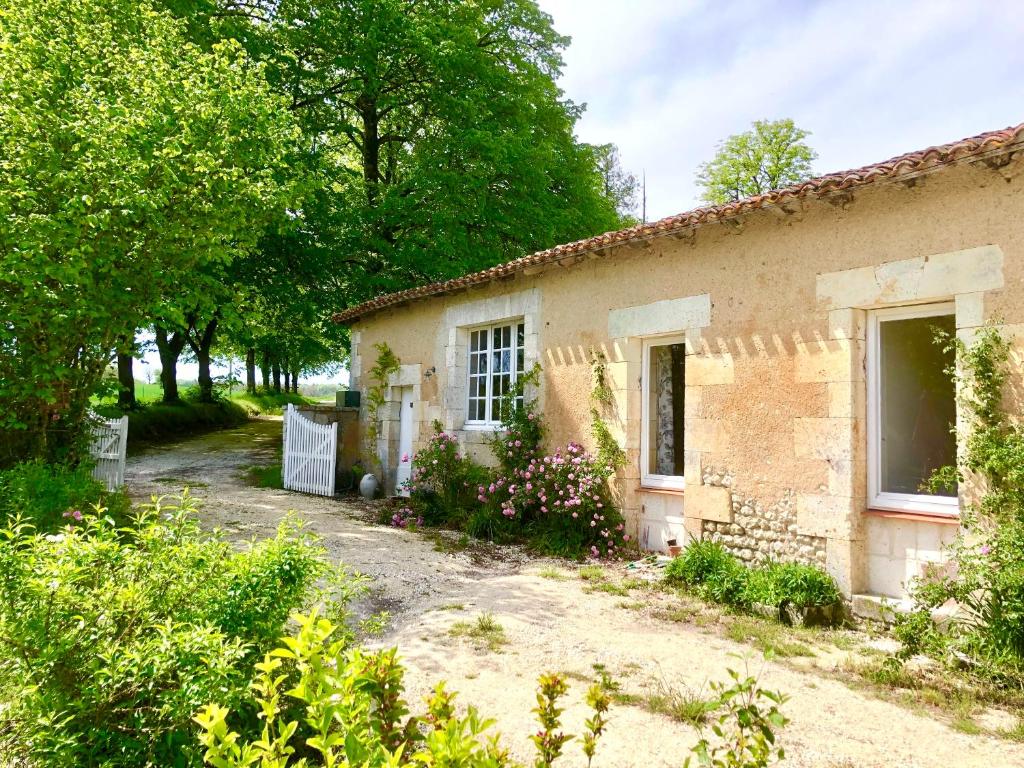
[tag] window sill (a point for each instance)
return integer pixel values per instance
(481, 427)
(653, 489)
(918, 517)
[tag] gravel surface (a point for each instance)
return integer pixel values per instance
(550, 624)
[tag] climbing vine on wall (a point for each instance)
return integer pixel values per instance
(608, 449)
(987, 577)
(386, 365)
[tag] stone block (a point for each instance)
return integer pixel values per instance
(708, 502)
(847, 323)
(706, 435)
(845, 560)
(826, 516)
(923, 278)
(970, 310)
(708, 370)
(846, 400)
(832, 360)
(668, 316)
(823, 438)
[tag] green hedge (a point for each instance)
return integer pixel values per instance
(42, 493)
(162, 422)
(715, 574)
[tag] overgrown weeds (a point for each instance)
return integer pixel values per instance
(485, 633)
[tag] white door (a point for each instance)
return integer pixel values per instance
(404, 473)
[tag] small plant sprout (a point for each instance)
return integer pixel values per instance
(599, 700)
(550, 740)
(745, 731)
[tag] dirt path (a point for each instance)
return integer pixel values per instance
(550, 625)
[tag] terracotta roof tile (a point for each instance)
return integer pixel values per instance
(903, 166)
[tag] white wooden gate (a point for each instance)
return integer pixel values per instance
(310, 452)
(109, 441)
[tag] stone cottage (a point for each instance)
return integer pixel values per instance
(774, 379)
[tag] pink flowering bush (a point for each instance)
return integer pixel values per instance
(561, 503)
(520, 439)
(442, 488)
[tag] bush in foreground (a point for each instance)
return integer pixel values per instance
(325, 703)
(112, 638)
(48, 495)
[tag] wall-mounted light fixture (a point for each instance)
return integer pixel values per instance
(429, 372)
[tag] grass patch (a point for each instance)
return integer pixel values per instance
(555, 574)
(447, 542)
(265, 476)
(608, 587)
(680, 703)
(592, 573)
(1016, 733)
(451, 607)
(485, 633)
(268, 403)
(766, 637)
(164, 422)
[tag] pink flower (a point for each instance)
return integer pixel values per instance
(625, 537)
(405, 458)
(984, 550)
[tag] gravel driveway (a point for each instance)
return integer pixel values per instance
(550, 624)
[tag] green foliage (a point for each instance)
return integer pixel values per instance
(698, 563)
(271, 403)
(387, 364)
(771, 155)
(322, 701)
(717, 575)
(131, 158)
(443, 481)
(45, 495)
(608, 449)
(745, 731)
(987, 574)
(796, 584)
(165, 422)
(519, 439)
(112, 638)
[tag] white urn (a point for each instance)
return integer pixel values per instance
(368, 486)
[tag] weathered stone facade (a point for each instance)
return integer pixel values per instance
(776, 308)
(760, 532)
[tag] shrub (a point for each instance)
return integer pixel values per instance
(160, 422)
(562, 503)
(986, 573)
(698, 561)
(796, 584)
(43, 493)
(113, 638)
(443, 482)
(324, 702)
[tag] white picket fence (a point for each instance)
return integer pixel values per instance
(109, 441)
(310, 452)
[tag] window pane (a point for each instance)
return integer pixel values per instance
(665, 377)
(482, 362)
(917, 403)
(520, 334)
(519, 361)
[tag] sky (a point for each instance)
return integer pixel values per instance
(667, 80)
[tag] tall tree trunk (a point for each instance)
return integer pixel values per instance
(265, 369)
(295, 382)
(170, 347)
(125, 376)
(287, 378)
(201, 342)
(368, 113)
(250, 371)
(276, 368)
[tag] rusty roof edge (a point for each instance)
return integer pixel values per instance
(894, 170)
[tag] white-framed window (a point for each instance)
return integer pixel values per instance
(496, 361)
(663, 387)
(911, 408)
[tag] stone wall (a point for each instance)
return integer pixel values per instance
(760, 532)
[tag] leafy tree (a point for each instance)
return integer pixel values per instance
(442, 141)
(619, 184)
(771, 155)
(130, 158)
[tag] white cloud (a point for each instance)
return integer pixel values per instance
(668, 80)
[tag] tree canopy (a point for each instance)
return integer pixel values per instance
(772, 154)
(130, 158)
